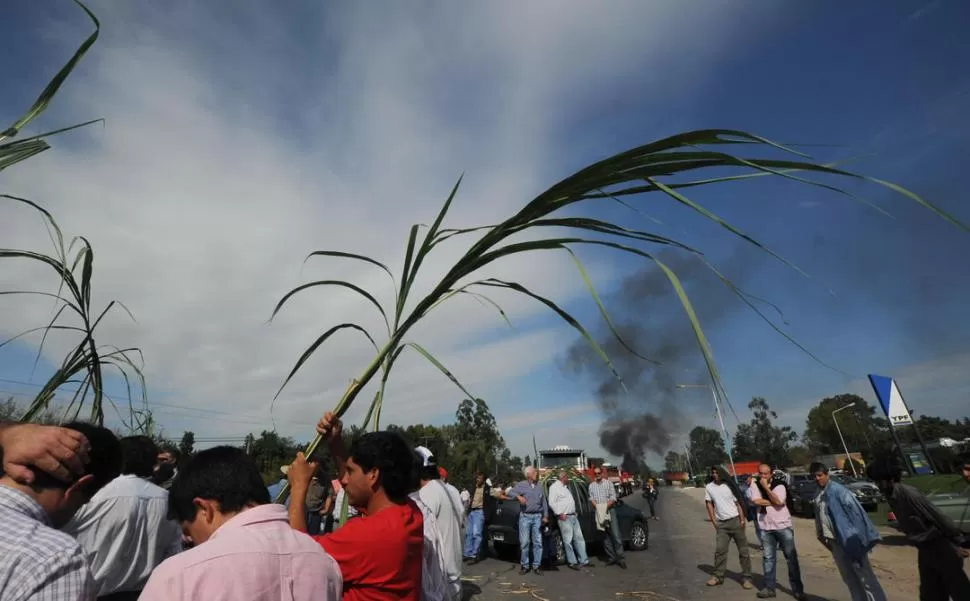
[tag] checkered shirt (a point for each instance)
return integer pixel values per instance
(38, 562)
(602, 492)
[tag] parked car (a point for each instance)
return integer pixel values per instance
(955, 506)
(866, 492)
(502, 534)
(803, 494)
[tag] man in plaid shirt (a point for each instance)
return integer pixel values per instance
(602, 493)
(37, 561)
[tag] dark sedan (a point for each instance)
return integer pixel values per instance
(503, 530)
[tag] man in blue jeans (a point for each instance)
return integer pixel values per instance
(534, 512)
(775, 522)
(564, 508)
(475, 519)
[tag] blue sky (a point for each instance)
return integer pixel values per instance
(237, 142)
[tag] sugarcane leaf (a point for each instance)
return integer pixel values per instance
(346, 255)
(424, 353)
(48, 93)
(339, 283)
(406, 278)
(566, 316)
(39, 329)
(86, 274)
(602, 308)
(108, 308)
(713, 217)
(316, 344)
(11, 154)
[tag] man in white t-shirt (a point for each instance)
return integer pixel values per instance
(448, 515)
(727, 515)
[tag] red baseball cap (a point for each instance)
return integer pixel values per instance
(443, 473)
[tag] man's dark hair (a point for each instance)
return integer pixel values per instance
(226, 475)
(884, 469)
(962, 460)
(104, 458)
(140, 454)
(391, 456)
(174, 452)
(817, 467)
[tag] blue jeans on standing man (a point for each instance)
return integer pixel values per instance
(572, 535)
(530, 527)
(474, 524)
(784, 538)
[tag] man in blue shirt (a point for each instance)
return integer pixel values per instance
(533, 513)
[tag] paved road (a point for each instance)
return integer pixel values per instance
(674, 567)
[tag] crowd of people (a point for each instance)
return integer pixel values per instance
(86, 515)
(842, 525)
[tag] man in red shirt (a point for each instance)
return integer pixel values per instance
(379, 553)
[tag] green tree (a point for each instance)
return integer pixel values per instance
(187, 445)
(761, 439)
(801, 455)
(706, 447)
(270, 451)
(862, 428)
(675, 462)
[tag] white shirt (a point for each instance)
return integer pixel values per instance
(561, 499)
(457, 500)
(447, 511)
(466, 498)
(725, 503)
(434, 582)
(125, 533)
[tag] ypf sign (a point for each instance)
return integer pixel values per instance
(891, 400)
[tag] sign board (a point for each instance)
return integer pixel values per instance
(891, 401)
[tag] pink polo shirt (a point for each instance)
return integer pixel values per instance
(775, 518)
(255, 556)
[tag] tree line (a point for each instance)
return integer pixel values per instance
(863, 429)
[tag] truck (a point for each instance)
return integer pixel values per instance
(562, 456)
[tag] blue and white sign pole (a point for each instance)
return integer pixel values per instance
(894, 406)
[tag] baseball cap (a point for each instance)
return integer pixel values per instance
(427, 457)
(443, 473)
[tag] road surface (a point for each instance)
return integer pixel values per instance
(676, 566)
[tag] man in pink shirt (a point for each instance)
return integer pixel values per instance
(769, 496)
(245, 549)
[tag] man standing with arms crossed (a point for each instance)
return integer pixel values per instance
(727, 515)
(564, 506)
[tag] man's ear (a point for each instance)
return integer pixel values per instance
(207, 509)
(374, 478)
(78, 491)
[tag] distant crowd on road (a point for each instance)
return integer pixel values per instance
(842, 525)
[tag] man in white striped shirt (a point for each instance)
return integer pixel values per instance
(37, 561)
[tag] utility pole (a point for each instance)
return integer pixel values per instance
(842, 438)
(720, 419)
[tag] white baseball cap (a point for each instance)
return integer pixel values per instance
(427, 457)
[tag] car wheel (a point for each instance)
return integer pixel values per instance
(638, 536)
(560, 548)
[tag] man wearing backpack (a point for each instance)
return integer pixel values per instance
(769, 496)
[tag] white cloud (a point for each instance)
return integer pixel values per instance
(232, 148)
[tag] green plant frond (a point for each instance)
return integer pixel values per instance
(481, 298)
(11, 154)
(43, 339)
(572, 321)
(64, 302)
(602, 308)
(429, 239)
(346, 255)
(48, 93)
(339, 283)
(39, 329)
(316, 344)
(431, 358)
(86, 275)
(109, 306)
(715, 218)
(406, 278)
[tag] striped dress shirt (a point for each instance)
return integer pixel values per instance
(37, 562)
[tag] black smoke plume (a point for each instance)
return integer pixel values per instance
(650, 318)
